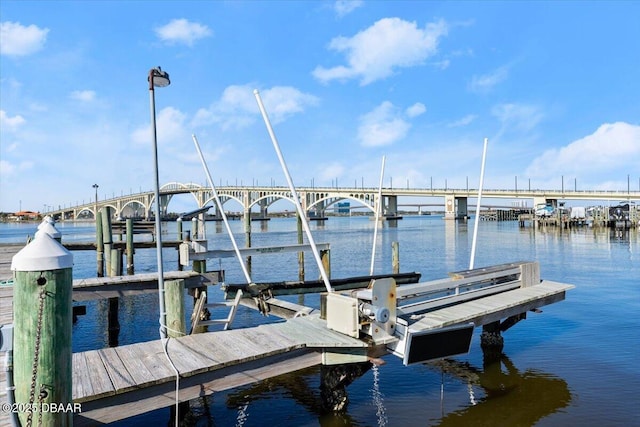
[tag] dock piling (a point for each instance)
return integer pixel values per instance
(113, 322)
(395, 257)
(42, 322)
(301, 253)
(130, 249)
(99, 247)
(174, 304)
(107, 237)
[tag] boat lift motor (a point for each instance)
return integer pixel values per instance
(372, 312)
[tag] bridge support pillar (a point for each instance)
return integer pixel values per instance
(390, 205)
(319, 211)
(455, 207)
(263, 209)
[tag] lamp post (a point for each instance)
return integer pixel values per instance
(95, 209)
(158, 78)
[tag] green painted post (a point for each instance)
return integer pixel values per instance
(130, 249)
(43, 317)
(174, 305)
(179, 222)
(99, 247)
(107, 237)
(116, 263)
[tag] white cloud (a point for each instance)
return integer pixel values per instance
(486, 82)
(83, 95)
(416, 110)
(345, 7)
(331, 171)
(18, 40)
(281, 102)
(376, 52)
(521, 117)
(11, 123)
(182, 31)
(7, 168)
(463, 121)
(613, 148)
(382, 126)
(170, 126)
(237, 107)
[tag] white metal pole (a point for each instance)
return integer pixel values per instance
(378, 211)
(294, 194)
(477, 220)
(221, 210)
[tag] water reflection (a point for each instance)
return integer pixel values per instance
(499, 395)
(303, 388)
(511, 397)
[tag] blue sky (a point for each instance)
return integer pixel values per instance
(553, 85)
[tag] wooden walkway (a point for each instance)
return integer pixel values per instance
(116, 383)
(7, 251)
(108, 287)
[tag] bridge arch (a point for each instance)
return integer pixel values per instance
(224, 198)
(143, 208)
(91, 211)
(271, 199)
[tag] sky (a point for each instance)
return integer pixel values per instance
(554, 86)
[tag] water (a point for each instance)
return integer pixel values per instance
(574, 364)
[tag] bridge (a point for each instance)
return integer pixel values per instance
(315, 201)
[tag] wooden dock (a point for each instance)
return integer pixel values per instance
(116, 383)
(7, 251)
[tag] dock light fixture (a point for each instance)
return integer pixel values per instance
(158, 78)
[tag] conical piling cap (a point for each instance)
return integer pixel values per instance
(50, 229)
(44, 253)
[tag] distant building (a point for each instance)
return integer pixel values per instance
(342, 208)
(24, 216)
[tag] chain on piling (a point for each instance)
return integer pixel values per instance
(36, 356)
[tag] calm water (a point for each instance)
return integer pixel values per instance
(574, 364)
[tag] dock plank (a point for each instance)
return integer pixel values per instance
(118, 374)
(84, 386)
(220, 356)
(133, 358)
(187, 362)
(100, 380)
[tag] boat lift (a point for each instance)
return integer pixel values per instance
(432, 320)
(415, 321)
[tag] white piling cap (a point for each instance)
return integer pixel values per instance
(50, 229)
(44, 253)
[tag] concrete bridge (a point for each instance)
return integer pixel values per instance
(316, 201)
